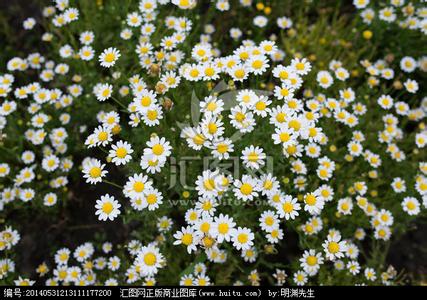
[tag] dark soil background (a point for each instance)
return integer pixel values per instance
(408, 253)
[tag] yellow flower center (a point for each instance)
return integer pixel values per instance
(158, 149)
(209, 71)
(223, 228)
(257, 64)
(242, 238)
(222, 148)
(300, 66)
(151, 199)
(260, 105)
(207, 205)
(283, 75)
(240, 117)
(107, 207)
(145, 101)
(246, 189)
(333, 247)
(288, 207)
(95, 172)
(187, 239)
(205, 227)
(209, 184)
(194, 73)
(150, 259)
(138, 186)
(284, 92)
(212, 128)
(253, 157)
(295, 124)
(110, 57)
(310, 199)
(103, 136)
(311, 260)
(268, 184)
(280, 117)
(211, 106)
(239, 73)
(121, 152)
(199, 139)
(106, 93)
(269, 220)
(152, 115)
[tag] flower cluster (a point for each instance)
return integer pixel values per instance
(326, 138)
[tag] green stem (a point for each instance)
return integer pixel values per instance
(113, 184)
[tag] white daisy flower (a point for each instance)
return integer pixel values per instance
(242, 238)
(107, 208)
(149, 260)
(253, 157)
(121, 153)
(246, 189)
(109, 57)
